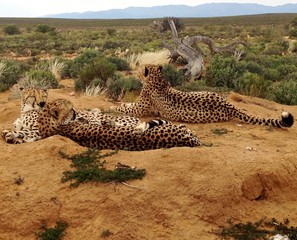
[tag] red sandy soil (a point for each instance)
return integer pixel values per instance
(244, 175)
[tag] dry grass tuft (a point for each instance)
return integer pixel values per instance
(141, 59)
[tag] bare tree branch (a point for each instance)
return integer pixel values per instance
(189, 49)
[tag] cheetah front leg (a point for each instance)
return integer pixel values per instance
(17, 137)
(133, 109)
(13, 137)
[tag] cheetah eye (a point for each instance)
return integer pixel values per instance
(146, 71)
(54, 113)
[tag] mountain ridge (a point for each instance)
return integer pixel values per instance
(203, 10)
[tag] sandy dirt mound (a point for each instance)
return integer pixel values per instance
(245, 174)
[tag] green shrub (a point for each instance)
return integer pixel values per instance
(294, 47)
(291, 76)
(274, 49)
(11, 30)
(116, 87)
(199, 85)
(121, 64)
(82, 60)
(293, 33)
(111, 31)
(43, 28)
(11, 71)
(89, 167)
(113, 44)
(171, 74)
(271, 74)
(55, 233)
(100, 69)
(254, 67)
(285, 70)
(253, 85)
(285, 92)
(224, 72)
(39, 79)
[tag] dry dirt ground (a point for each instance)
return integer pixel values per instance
(244, 175)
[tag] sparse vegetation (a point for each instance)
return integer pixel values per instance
(100, 68)
(55, 233)
(171, 74)
(11, 30)
(19, 180)
(118, 85)
(267, 63)
(258, 230)
(89, 167)
(39, 79)
(106, 233)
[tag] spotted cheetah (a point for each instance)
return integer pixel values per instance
(158, 97)
(59, 117)
(25, 128)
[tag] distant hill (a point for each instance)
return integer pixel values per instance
(203, 10)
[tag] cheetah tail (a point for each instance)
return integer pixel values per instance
(286, 121)
(151, 124)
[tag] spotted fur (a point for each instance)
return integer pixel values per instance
(25, 128)
(158, 97)
(59, 117)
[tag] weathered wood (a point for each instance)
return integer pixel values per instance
(188, 49)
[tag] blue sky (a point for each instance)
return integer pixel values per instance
(36, 8)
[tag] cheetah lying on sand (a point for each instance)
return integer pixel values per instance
(25, 128)
(157, 96)
(59, 117)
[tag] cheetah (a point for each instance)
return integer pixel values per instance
(158, 97)
(59, 117)
(25, 128)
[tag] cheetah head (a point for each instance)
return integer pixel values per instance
(33, 99)
(154, 77)
(56, 113)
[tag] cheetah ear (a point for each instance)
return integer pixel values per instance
(160, 68)
(146, 71)
(54, 112)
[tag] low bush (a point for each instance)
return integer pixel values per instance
(89, 167)
(224, 72)
(253, 85)
(39, 79)
(171, 74)
(82, 60)
(10, 73)
(285, 92)
(11, 29)
(262, 229)
(55, 233)
(100, 69)
(121, 64)
(43, 28)
(118, 85)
